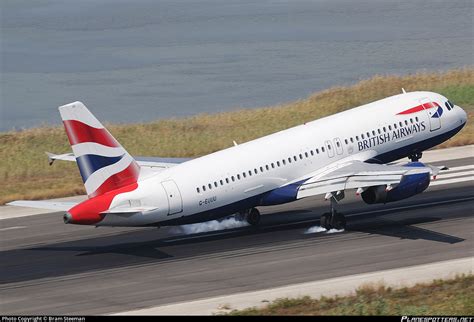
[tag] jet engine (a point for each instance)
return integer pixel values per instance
(410, 185)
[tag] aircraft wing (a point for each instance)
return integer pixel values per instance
(147, 162)
(51, 205)
(358, 175)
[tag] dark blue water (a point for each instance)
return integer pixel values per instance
(132, 61)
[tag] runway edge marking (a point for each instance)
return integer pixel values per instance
(400, 277)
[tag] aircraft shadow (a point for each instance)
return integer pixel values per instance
(143, 247)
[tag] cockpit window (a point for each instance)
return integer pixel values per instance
(449, 105)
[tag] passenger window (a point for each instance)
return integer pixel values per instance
(368, 134)
(322, 149)
(289, 160)
(362, 136)
(338, 144)
(278, 163)
(384, 129)
(250, 172)
(411, 120)
(197, 189)
(215, 184)
(255, 171)
(390, 127)
(317, 151)
(203, 188)
(221, 182)
(210, 186)
(395, 126)
(378, 130)
(295, 158)
(238, 177)
(352, 140)
(233, 178)
(406, 122)
(400, 123)
(261, 169)
(273, 165)
(244, 175)
(312, 152)
(306, 154)
(267, 167)
(357, 137)
(416, 118)
(227, 180)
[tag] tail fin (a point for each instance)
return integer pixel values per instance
(103, 162)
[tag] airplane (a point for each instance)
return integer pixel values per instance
(347, 151)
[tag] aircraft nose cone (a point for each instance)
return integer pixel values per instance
(462, 115)
(67, 218)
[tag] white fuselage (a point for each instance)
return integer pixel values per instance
(218, 184)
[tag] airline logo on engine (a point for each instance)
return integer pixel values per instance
(392, 136)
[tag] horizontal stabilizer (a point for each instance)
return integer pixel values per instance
(147, 162)
(64, 157)
(51, 205)
(123, 210)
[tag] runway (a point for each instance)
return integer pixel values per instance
(52, 268)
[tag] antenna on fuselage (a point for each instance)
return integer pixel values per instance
(403, 90)
(235, 143)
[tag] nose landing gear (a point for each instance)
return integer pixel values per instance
(415, 156)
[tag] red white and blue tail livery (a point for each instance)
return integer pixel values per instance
(348, 151)
(103, 163)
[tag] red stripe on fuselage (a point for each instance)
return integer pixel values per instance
(78, 132)
(123, 178)
(89, 211)
(419, 108)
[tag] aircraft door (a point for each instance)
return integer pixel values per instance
(175, 202)
(433, 114)
(329, 149)
(338, 145)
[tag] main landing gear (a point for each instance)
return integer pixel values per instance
(415, 156)
(333, 219)
(252, 216)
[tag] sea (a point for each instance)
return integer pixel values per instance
(144, 60)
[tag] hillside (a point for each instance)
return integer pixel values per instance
(25, 172)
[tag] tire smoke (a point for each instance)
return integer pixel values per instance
(212, 225)
(319, 229)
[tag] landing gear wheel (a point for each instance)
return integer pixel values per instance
(325, 221)
(335, 220)
(414, 157)
(253, 217)
(338, 221)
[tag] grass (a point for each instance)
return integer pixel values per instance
(26, 175)
(441, 297)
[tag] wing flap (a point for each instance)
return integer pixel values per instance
(355, 175)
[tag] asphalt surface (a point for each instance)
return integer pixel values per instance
(51, 268)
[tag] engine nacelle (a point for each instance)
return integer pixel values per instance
(410, 185)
